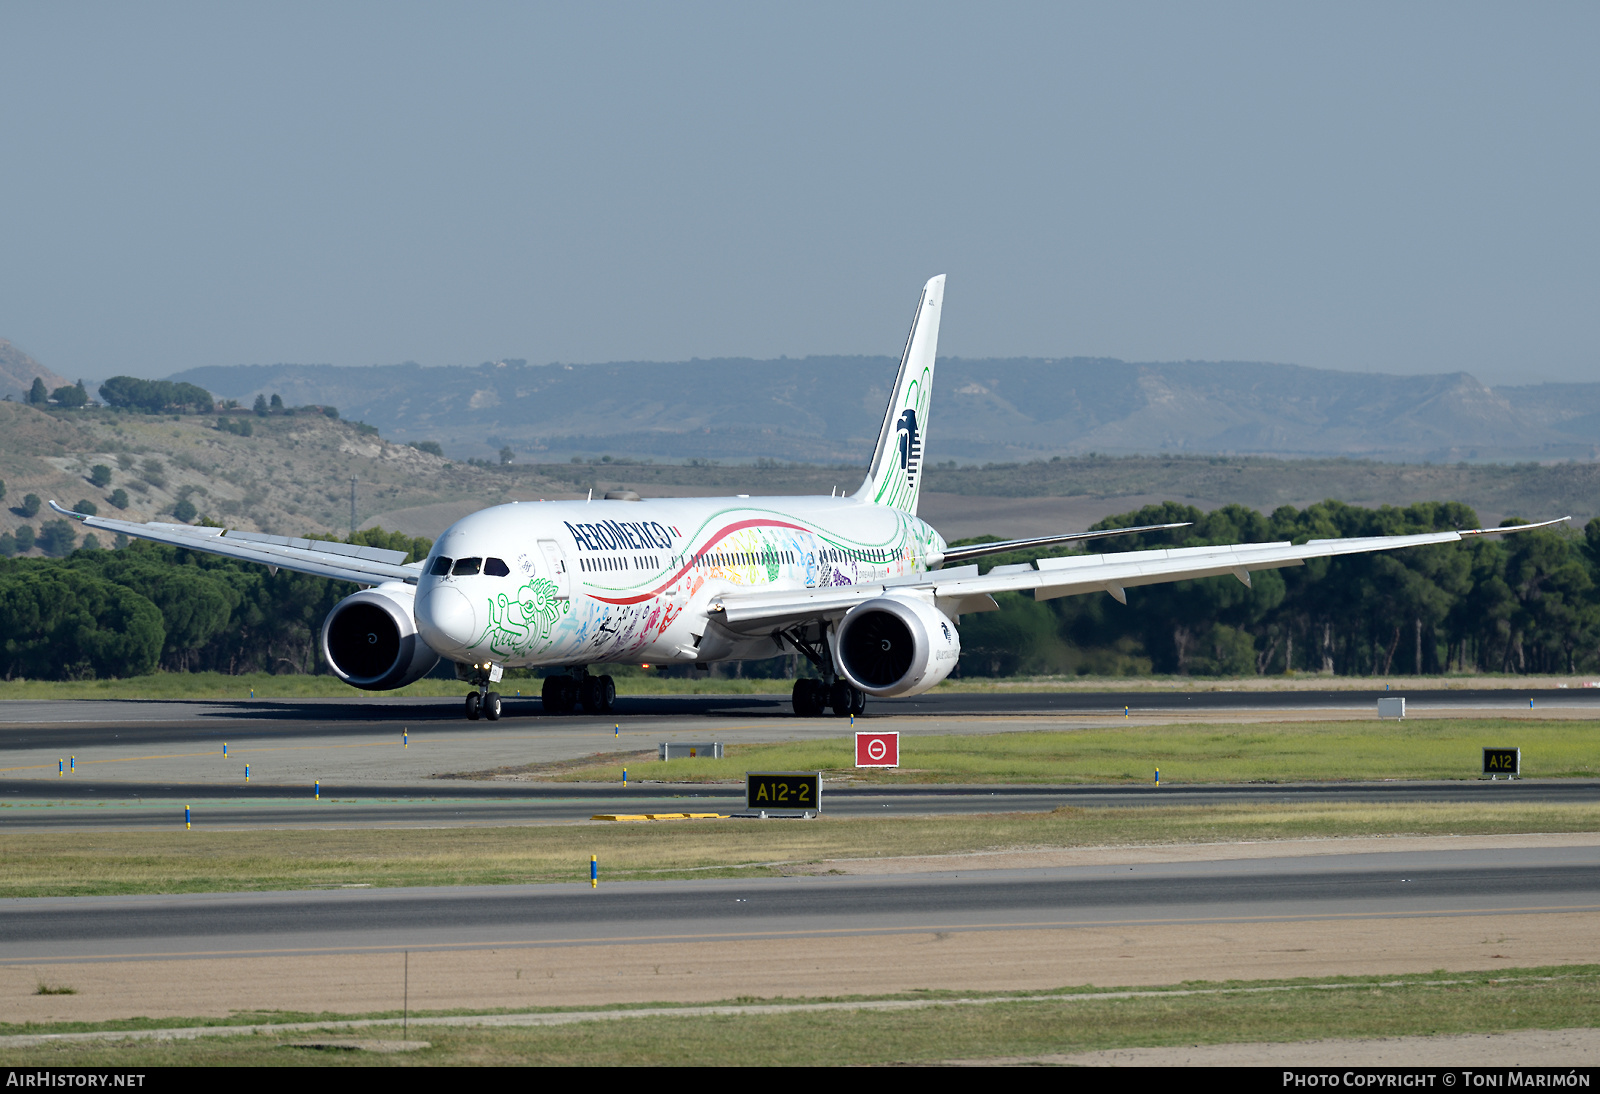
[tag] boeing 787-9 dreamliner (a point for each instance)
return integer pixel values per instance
(861, 587)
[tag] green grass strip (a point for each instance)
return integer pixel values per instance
(1288, 751)
(109, 862)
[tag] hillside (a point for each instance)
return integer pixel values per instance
(828, 409)
(1042, 497)
(290, 476)
(1495, 491)
(18, 370)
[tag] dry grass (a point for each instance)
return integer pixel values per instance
(1244, 1012)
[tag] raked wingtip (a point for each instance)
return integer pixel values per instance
(67, 512)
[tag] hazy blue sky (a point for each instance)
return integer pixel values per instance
(1401, 187)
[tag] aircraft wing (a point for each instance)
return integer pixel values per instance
(323, 558)
(981, 550)
(961, 590)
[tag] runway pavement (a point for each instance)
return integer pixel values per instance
(1436, 884)
(380, 761)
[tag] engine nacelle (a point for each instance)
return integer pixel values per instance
(896, 645)
(370, 639)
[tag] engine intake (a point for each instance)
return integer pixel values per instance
(895, 645)
(370, 639)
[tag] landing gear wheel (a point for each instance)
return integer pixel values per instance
(490, 705)
(810, 699)
(608, 694)
(569, 694)
(858, 701)
(841, 697)
(589, 693)
(473, 702)
(550, 694)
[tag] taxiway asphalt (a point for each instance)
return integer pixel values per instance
(162, 720)
(1437, 884)
(44, 805)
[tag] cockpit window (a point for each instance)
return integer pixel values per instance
(465, 566)
(495, 567)
(441, 566)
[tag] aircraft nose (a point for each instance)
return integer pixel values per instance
(447, 620)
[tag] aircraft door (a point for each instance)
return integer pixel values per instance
(556, 562)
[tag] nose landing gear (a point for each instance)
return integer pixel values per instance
(486, 705)
(482, 703)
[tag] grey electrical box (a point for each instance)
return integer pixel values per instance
(689, 750)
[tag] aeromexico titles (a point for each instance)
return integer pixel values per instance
(868, 593)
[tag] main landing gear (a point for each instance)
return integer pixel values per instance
(562, 694)
(812, 698)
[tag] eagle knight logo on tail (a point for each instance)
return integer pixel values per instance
(910, 444)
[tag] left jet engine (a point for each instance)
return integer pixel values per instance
(895, 645)
(370, 639)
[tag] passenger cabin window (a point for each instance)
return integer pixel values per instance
(465, 566)
(495, 567)
(441, 566)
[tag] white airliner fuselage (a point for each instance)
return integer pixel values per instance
(573, 582)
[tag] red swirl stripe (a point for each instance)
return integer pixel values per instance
(718, 537)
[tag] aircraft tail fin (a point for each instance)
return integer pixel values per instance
(895, 477)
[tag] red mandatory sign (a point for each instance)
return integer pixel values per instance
(877, 750)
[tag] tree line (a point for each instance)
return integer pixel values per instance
(164, 396)
(128, 612)
(155, 396)
(70, 396)
(1528, 603)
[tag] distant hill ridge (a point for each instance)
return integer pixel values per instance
(826, 409)
(17, 372)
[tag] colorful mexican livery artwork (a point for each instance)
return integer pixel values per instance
(869, 594)
(603, 585)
